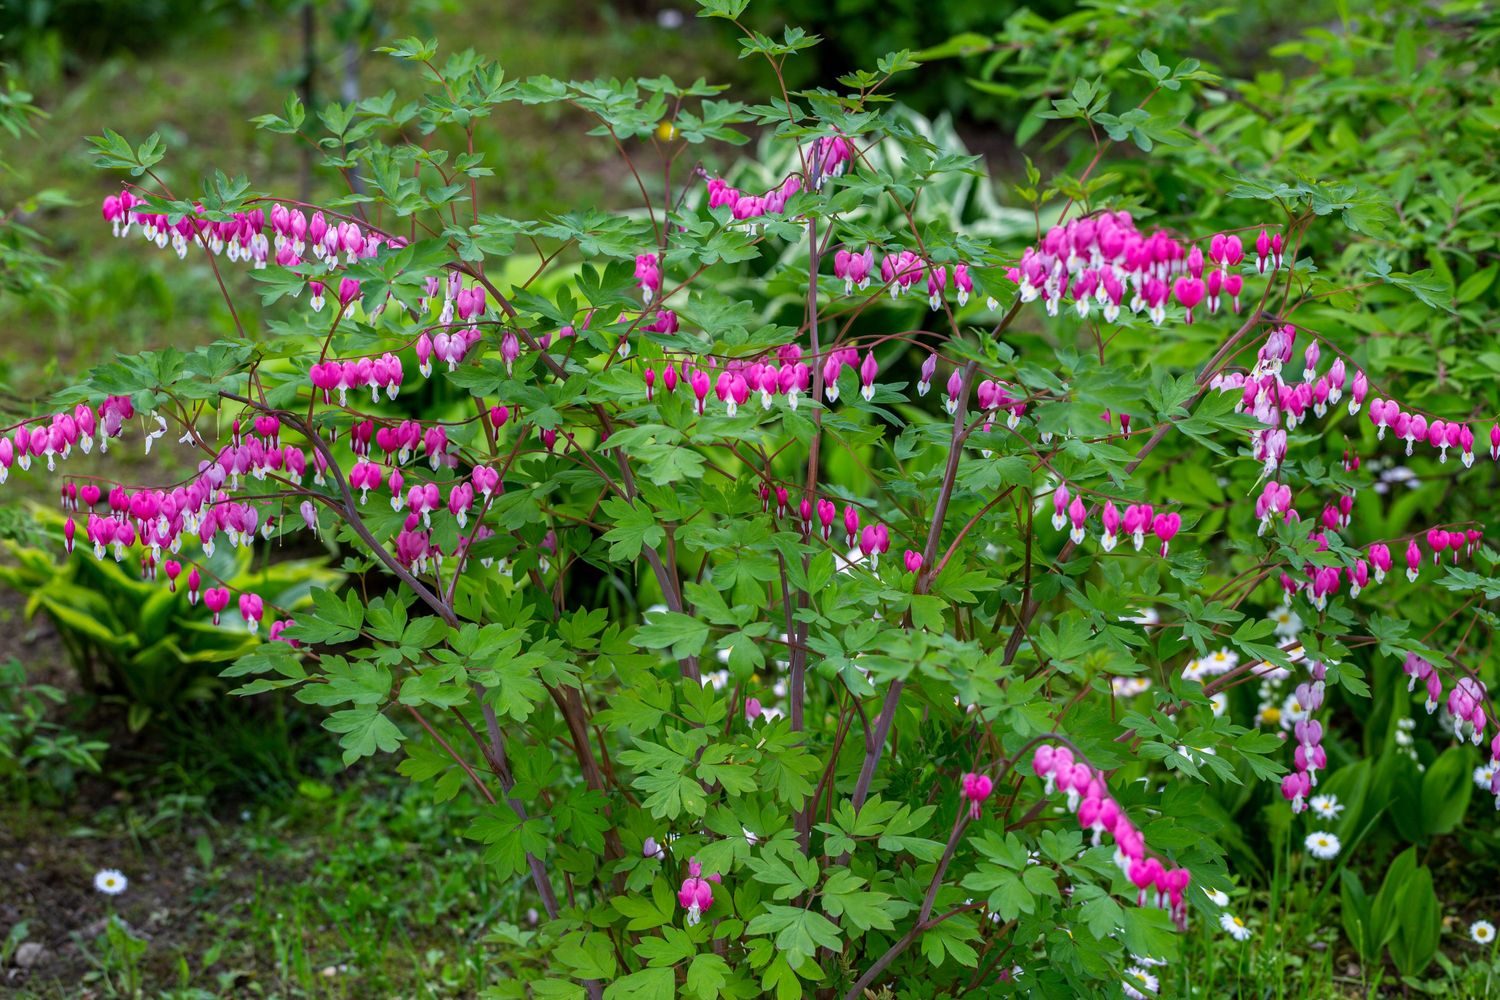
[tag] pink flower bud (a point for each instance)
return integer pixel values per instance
(976, 788)
(216, 599)
(251, 609)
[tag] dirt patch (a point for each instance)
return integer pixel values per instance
(35, 643)
(50, 874)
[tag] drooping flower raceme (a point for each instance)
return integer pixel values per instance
(1098, 812)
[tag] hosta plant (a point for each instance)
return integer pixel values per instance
(824, 590)
(132, 640)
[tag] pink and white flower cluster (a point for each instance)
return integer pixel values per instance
(696, 895)
(1309, 757)
(296, 239)
(54, 438)
(1097, 811)
(732, 385)
(1139, 520)
(900, 272)
(1103, 261)
(744, 207)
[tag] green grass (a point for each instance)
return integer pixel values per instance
(364, 890)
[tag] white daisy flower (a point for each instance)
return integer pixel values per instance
(1219, 661)
(1267, 714)
(1292, 712)
(1217, 897)
(1326, 806)
(1140, 984)
(1147, 962)
(1399, 474)
(110, 882)
(1196, 670)
(1146, 616)
(1323, 846)
(1219, 703)
(1287, 622)
(1270, 674)
(1196, 754)
(1482, 932)
(1129, 687)
(1234, 927)
(1483, 776)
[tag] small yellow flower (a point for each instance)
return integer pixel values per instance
(1271, 713)
(666, 131)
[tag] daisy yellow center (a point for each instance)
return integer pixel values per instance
(1322, 842)
(1237, 921)
(1272, 714)
(1483, 932)
(1140, 977)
